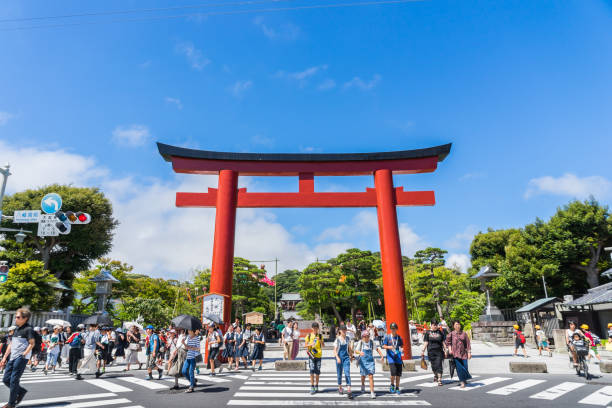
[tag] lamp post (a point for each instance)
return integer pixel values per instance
(5, 173)
(485, 274)
(104, 282)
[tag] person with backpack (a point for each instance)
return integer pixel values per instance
(314, 349)
(594, 342)
(519, 341)
(542, 340)
(74, 343)
(152, 347)
(364, 353)
(394, 344)
(18, 353)
(460, 348)
(229, 339)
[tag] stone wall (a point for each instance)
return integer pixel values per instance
(498, 332)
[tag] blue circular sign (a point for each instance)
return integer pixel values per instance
(51, 203)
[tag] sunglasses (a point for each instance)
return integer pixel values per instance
(18, 317)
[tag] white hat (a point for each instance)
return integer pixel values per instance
(12, 328)
(35, 329)
(81, 326)
(57, 326)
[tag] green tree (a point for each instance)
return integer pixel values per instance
(427, 260)
(150, 311)
(29, 284)
(286, 282)
(66, 255)
(320, 289)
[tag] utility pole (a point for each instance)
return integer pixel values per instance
(5, 173)
(545, 291)
(275, 260)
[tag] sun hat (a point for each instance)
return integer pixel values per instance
(537, 326)
(393, 325)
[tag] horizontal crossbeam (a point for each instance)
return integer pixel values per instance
(306, 199)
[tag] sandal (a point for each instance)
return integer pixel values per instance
(189, 390)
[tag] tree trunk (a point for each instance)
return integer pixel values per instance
(333, 306)
(592, 277)
(439, 309)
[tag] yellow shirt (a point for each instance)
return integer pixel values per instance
(316, 349)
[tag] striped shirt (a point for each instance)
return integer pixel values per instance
(193, 342)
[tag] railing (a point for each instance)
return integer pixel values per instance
(509, 315)
(7, 318)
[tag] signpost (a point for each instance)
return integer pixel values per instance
(51, 203)
(26, 216)
(46, 226)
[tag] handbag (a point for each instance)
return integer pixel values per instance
(423, 363)
(134, 347)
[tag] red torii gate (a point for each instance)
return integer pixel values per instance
(385, 197)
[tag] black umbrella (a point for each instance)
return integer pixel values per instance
(99, 319)
(451, 367)
(213, 318)
(187, 322)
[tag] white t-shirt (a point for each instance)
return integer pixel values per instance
(340, 342)
(351, 331)
(541, 336)
(287, 334)
(570, 334)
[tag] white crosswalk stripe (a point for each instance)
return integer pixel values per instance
(108, 385)
(557, 391)
(78, 401)
(311, 402)
(518, 386)
(479, 384)
(602, 397)
(150, 384)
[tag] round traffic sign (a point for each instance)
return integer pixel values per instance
(51, 203)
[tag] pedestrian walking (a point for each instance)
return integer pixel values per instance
(287, 341)
(343, 354)
(364, 352)
(64, 348)
(295, 335)
(519, 340)
(73, 344)
(51, 342)
(134, 347)
(39, 354)
(18, 353)
(542, 341)
(351, 331)
(433, 343)
(241, 350)
(192, 345)
(594, 342)
(89, 363)
(314, 349)
(213, 341)
(152, 349)
(459, 347)
(259, 345)
(229, 351)
(178, 353)
(248, 337)
(394, 344)
(121, 344)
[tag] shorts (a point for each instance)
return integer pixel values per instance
(315, 365)
(518, 344)
(594, 350)
(212, 353)
(396, 369)
(543, 344)
(151, 361)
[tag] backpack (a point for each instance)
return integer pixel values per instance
(520, 336)
(596, 339)
(38, 344)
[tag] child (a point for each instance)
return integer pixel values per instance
(593, 340)
(314, 343)
(394, 345)
(542, 340)
(519, 341)
(364, 352)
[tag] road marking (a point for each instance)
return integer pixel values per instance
(230, 375)
(603, 397)
(288, 383)
(211, 378)
(519, 386)
(304, 374)
(294, 388)
(46, 380)
(415, 378)
(63, 399)
(96, 403)
(150, 384)
(325, 403)
(109, 386)
(317, 395)
(480, 384)
(557, 391)
(181, 381)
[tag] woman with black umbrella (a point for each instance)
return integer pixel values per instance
(192, 345)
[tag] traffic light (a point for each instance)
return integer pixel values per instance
(4, 270)
(63, 223)
(81, 218)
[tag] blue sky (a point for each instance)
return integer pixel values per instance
(522, 89)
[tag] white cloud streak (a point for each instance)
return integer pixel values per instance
(570, 185)
(240, 87)
(175, 101)
(194, 56)
(363, 85)
(132, 135)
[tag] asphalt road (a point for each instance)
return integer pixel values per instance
(271, 388)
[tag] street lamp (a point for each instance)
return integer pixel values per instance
(20, 236)
(485, 274)
(5, 173)
(104, 282)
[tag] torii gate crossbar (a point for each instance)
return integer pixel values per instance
(385, 197)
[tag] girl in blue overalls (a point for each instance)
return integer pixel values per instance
(241, 347)
(364, 351)
(343, 353)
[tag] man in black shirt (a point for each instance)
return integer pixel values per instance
(18, 352)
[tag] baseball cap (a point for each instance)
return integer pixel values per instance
(150, 327)
(393, 325)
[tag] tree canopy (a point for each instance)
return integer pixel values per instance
(29, 284)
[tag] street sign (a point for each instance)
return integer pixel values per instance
(46, 226)
(4, 271)
(26, 216)
(51, 203)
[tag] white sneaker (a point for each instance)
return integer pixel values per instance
(373, 395)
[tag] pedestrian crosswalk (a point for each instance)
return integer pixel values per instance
(81, 401)
(293, 389)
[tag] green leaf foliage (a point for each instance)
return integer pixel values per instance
(29, 284)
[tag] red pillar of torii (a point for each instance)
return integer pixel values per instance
(227, 197)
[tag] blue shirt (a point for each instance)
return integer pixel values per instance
(193, 342)
(394, 355)
(152, 339)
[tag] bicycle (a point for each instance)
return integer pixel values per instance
(582, 353)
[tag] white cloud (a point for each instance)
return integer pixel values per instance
(194, 56)
(283, 32)
(359, 83)
(240, 87)
(460, 262)
(463, 239)
(326, 85)
(570, 185)
(175, 101)
(302, 77)
(133, 135)
(5, 117)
